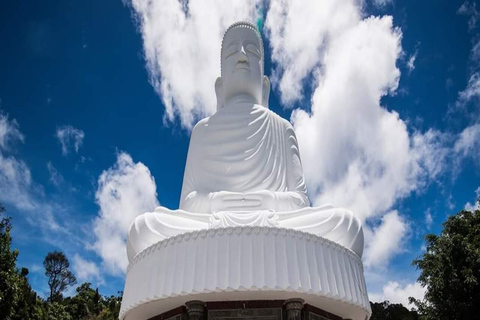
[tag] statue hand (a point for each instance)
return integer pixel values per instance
(264, 198)
(231, 201)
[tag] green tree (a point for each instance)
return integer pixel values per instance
(17, 299)
(41, 310)
(26, 305)
(86, 303)
(57, 311)
(391, 311)
(58, 274)
(8, 275)
(451, 270)
(113, 305)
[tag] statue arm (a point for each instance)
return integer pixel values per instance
(296, 195)
(191, 198)
(196, 202)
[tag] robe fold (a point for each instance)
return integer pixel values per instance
(243, 149)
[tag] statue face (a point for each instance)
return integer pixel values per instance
(242, 65)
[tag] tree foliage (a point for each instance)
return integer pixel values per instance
(88, 304)
(58, 274)
(451, 270)
(19, 302)
(17, 299)
(27, 305)
(58, 311)
(389, 311)
(9, 287)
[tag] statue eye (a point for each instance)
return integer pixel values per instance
(253, 49)
(230, 51)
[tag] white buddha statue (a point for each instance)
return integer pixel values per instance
(243, 166)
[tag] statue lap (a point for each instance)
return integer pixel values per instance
(335, 224)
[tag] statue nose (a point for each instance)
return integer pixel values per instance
(242, 56)
(242, 50)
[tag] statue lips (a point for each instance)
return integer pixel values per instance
(242, 65)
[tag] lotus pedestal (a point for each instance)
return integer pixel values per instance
(245, 273)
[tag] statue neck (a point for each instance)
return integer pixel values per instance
(241, 99)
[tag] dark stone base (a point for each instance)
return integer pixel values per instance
(292, 309)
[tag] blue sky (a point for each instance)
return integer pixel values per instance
(85, 124)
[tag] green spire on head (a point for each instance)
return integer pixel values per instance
(260, 17)
(259, 23)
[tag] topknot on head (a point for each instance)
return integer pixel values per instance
(247, 25)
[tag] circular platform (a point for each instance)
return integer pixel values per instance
(245, 263)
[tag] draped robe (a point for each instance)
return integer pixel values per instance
(244, 148)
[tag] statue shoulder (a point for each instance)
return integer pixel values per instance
(286, 125)
(289, 131)
(201, 124)
(199, 129)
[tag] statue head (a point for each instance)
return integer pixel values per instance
(242, 66)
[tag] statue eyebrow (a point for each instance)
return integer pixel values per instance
(246, 42)
(228, 51)
(230, 46)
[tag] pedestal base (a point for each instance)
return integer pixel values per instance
(292, 309)
(245, 264)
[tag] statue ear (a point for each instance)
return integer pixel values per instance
(265, 91)
(219, 93)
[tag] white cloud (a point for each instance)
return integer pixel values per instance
(411, 61)
(70, 138)
(382, 3)
(9, 132)
(470, 10)
(428, 219)
(472, 207)
(430, 154)
(468, 143)
(396, 293)
(18, 190)
(471, 91)
(475, 52)
(476, 204)
(356, 153)
(36, 268)
(86, 270)
(49, 218)
(55, 177)
(15, 176)
(181, 40)
(125, 190)
(386, 240)
(15, 183)
(299, 31)
(17, 187)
